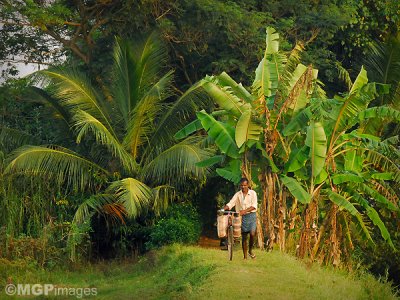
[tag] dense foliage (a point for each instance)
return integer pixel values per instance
(181, 224)
(97, 132)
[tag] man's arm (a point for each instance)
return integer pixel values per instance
(231, 203)
(245, 211)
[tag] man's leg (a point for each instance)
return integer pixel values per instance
(244, 244)
(251, 241)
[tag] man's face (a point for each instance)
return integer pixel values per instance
(244, 186)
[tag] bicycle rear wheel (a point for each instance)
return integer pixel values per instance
(230, 242)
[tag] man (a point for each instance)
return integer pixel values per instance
(245, 202)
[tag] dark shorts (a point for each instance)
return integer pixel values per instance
(249, 222)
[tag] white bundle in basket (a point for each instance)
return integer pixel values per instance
(222, 225)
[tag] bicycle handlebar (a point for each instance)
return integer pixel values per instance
(227, 212)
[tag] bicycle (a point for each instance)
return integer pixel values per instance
(230, 238)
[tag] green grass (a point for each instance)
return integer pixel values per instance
(180, 272)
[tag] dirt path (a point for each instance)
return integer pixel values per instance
(207, 242)
(209, 238)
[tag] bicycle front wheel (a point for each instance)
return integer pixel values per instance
(230, 242)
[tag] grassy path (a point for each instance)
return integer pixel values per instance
(277, 276)
(179, 272)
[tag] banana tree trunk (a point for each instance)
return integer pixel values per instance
(246, 172)
(260, 232)
(268, 214)
(292, 215)
(334, 254)
(281, 238)
(308, 234)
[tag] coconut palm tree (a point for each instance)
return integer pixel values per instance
(125, 153)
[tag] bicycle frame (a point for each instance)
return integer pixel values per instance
(229, 230)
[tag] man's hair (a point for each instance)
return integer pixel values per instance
(244, 179)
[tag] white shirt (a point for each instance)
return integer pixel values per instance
(241, 203)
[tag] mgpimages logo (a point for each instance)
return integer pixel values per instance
(48, 290)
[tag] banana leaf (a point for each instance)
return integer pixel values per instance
(222, 134)
(296, 189)
(316, 140)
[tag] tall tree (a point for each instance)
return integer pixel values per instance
(251, 131)
(129, 158)
(346, 172)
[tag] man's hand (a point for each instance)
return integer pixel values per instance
(245, 211)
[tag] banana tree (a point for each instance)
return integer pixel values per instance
(249, 129)
(124, 153)
(341, 173)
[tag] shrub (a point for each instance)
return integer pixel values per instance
(181, 224)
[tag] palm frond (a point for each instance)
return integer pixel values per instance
(85, 123)
(344, 75)
(97, 204)
(43, 95)
(56, 163)
(177, 163)
(144, 115)
(73, 90)
(383, 63)
(133, 194)
(176, 116)
(124, 81)
(136, 72)
(151, 56)
(11, 139)
(163, 195)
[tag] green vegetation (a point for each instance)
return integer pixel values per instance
(196, 273)
(285, 135)
(135, 111)
(181, 224)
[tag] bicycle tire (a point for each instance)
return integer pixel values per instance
(230, 242)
